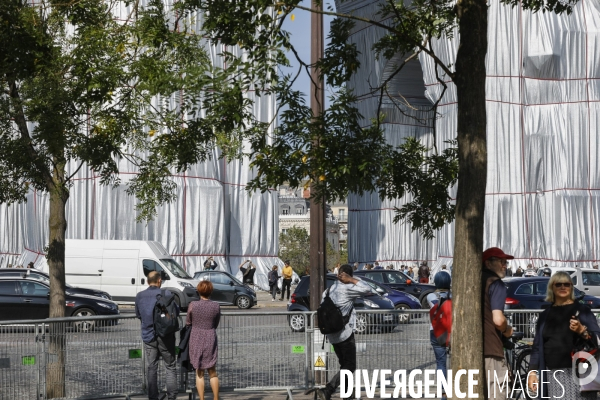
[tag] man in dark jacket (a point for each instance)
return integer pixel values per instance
(424, 273)
(154, 345)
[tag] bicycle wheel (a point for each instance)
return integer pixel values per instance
(522, 367)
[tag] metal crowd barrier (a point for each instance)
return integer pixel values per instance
(257, 351)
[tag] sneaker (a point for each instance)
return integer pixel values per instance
(272, 299)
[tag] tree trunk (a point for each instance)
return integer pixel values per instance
(467, 331)
(55, 366)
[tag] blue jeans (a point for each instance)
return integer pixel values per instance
(440, 354)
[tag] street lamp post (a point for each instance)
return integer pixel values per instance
(318, 269)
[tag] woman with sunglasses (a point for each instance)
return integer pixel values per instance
(558, 329)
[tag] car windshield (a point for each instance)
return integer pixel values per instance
(43, 278)
(375, 287)
(175, 268)
(404, 275)
(234, 279)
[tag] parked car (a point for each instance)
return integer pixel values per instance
(399, 281)
(365, 323)
(26, 298)
(585, 279)
(228, 290)
(529, 272)
(43, 277)
(529, 293)
(401, 300)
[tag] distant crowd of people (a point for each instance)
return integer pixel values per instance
(30, 265)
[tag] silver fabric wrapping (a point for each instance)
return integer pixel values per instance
(542, 91)
(213, 215)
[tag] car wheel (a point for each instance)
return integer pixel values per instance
(522, 366)
(84, 326)
(362, 324)
(297, 322)
(403, 318)
(243, 302)
(178, 301)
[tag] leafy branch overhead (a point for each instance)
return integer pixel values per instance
(340, 151)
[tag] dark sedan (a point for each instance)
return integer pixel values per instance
(398, 281)
(24, 298)
(529, 293)
(300, 301)
(228, 290)
(43, 277)
(401, 300)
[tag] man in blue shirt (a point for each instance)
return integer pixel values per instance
(155, 345)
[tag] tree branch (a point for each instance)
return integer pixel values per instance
(422, 47)
(19, 118)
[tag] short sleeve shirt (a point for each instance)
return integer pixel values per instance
(497, 292)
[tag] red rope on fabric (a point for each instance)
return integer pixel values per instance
(589, 122)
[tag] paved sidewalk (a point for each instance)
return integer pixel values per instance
(268, 395)
(265, 395)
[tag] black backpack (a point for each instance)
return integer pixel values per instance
(165, 315)
(330, 317)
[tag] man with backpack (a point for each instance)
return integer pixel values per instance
(342, 294)
(159, 325)
(440, 305)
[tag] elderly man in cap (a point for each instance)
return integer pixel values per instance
(494, 322)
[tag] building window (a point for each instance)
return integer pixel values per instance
(299, 211)
(284, 231)
(285, 211)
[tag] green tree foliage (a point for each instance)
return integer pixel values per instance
(336, 153)
(84, 89)
(294, 245)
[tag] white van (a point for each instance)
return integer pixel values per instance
(121, 267)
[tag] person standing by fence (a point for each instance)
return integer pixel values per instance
(287, 273)
(154, 345)
(442, 282)
(204, 317)
(342, 293)
(273, 277)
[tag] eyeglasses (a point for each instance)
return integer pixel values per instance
(562, 284)
(502, 260)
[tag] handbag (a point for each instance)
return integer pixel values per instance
(586, 356)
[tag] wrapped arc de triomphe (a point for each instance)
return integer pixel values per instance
(543, 120)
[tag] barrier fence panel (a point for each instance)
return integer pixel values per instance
(19, 362)
(256, 351)
(260, 351)
(101, 357)
(384, 340)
